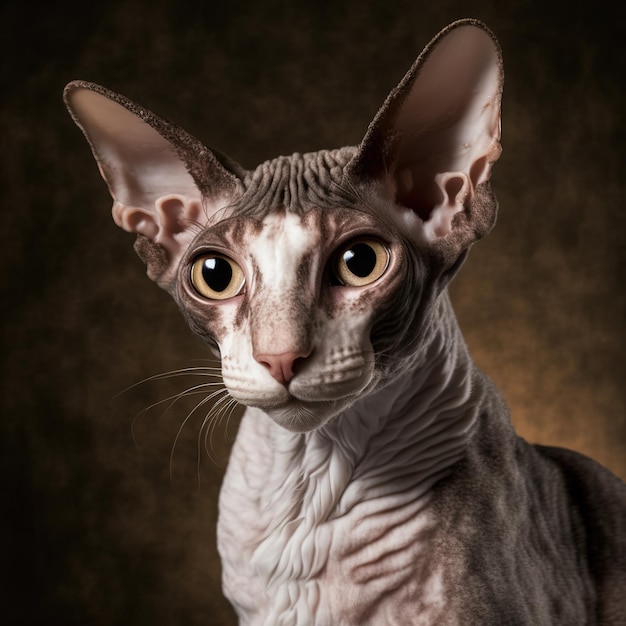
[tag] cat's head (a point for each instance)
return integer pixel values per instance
(313, 276)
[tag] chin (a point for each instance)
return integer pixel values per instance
(300, 416)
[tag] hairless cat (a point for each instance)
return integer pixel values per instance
(376, 477)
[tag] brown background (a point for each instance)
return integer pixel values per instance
(98, 532)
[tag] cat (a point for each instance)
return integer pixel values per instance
(376, 477)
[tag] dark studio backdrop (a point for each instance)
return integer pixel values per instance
(110, 519)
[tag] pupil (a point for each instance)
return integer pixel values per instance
(217, 273)
(360, 259)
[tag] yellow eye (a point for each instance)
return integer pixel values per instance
(360, 262)
(216, 277)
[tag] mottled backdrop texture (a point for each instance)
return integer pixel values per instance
(110, 517)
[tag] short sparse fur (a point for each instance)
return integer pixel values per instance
(376, 477)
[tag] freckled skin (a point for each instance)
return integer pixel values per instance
(381, 481)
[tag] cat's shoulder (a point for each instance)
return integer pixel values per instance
(587, 481)
(597, 499)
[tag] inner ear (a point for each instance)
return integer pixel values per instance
(165, 183)
(422, 193)
(141, 156)
(172, 223)
(436, 136)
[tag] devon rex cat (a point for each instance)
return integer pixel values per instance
(376, 478)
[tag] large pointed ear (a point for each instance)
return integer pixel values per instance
(434, 140)
(165, 184)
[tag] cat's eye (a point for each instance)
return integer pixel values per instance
(216, 277)
(360, 262)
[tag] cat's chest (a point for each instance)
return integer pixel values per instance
(322, 558)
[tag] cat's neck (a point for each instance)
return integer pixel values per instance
(400, 440)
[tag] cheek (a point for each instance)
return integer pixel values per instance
(231, 344)
(334, 301)
(211, 322)
(227, 326)
(369, 300)
(396, 326)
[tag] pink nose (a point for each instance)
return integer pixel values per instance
(281, 366)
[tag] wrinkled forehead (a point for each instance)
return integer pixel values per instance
(296, 184)
(294, 206)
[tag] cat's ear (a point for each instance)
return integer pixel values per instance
(165, 184)
(434, 140)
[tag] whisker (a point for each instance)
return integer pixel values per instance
(385, 355)
(190, 391)
(173, 399)
(202, 402)
(354, 193)
(233, 406)
(185, 371)
(216, 419)
(207, 360)
(210, 422)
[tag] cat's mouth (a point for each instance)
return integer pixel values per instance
(304, 409)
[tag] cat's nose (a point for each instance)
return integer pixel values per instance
(283, 366)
